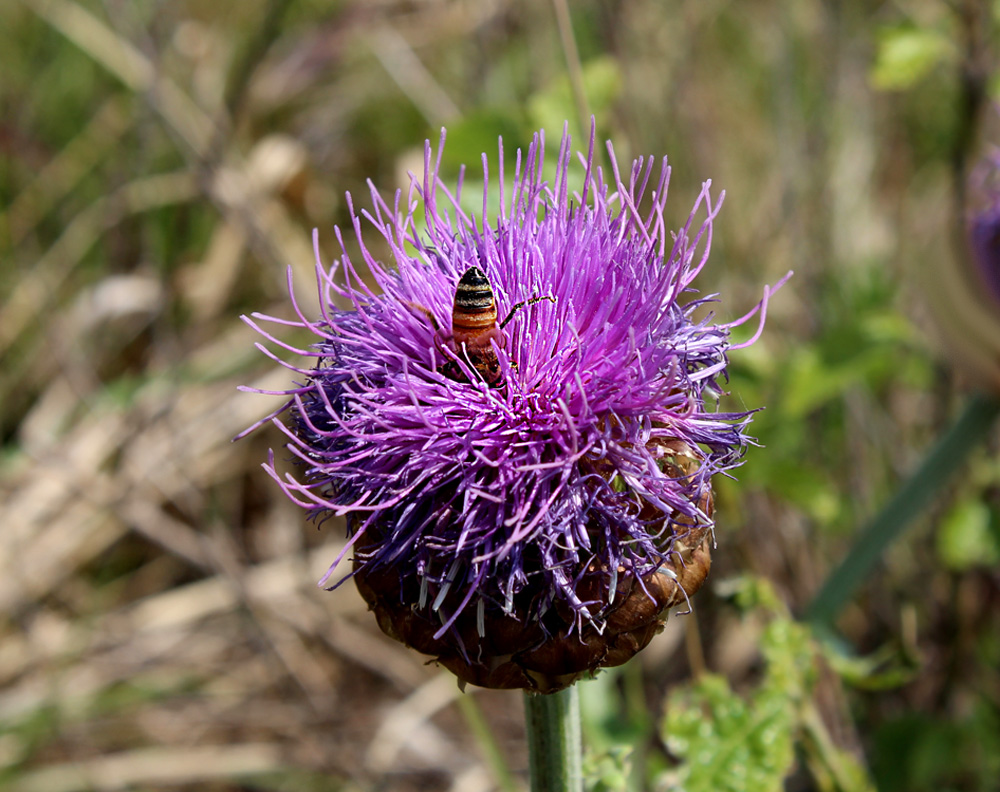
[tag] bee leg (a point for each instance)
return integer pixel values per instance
(524, 304)
(426, 312)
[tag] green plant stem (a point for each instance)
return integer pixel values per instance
(916, 495)
(554, 745)
(573, 67)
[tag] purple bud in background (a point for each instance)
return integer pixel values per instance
(964, 290)
(984, 242)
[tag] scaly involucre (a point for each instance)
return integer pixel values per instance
(590, 457)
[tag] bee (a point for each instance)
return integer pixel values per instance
(474, 326)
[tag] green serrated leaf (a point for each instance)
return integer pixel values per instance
(729, 742)
(726, 744)
(789, 651)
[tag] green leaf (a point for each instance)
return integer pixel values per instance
(966, 538)
(728, 743)
(812, 380)
(479, 131)
(608, 771)
(887, 668)
(725, 743)
(907, 55)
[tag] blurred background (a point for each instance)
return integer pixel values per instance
(163, 163)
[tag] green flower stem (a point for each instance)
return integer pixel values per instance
(554, 744)
(912, 500)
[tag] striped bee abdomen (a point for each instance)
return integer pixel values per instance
(474, 327)
(475, 310)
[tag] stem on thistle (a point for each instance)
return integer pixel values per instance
(554, 745)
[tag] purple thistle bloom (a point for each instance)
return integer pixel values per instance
(540, 496)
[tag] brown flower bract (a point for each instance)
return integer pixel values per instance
(550, 654)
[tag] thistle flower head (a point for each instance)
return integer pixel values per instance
(518, 415)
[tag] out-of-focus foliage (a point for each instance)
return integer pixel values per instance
(970, 536)
(726, 741)
(907, 54)
(919, 753)
(551, 107)
(607, 771)
(163, 165)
